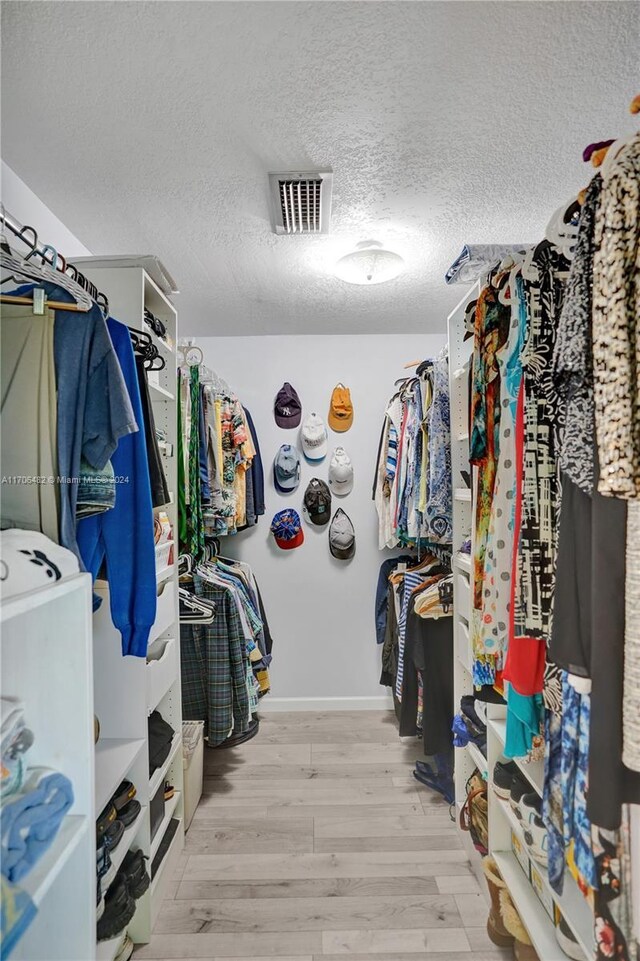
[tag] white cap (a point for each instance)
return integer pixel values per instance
(314, 438)
(341, 472)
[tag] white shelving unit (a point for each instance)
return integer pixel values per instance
(469, 758)
(527, 880)
(47, 663)
(142, 687)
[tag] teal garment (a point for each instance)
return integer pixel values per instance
(524, 716)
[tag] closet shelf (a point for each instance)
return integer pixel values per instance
(107, 950)
(532, 770)
(128, 838)
(169, 810)
(534, 917)
(462, 494)
(114, 758)
(157, 778)
(38, 882)
(463, 561)
(572, 904)
(27, 603)
(478, 758)
(157, 881)
(159, 393)
(165, 573)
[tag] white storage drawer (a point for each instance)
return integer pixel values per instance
(165, 612)
(162, 670)
(463, 594)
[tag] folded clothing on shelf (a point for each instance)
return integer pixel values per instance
(160, 737)
(29, 821)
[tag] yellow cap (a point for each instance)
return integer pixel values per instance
(341, 409)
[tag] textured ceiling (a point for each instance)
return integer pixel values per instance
(150, 127)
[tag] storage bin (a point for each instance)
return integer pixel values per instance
(165, 612)
(163, 555)
(162, 670)
(193, 762)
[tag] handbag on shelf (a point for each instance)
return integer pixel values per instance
(474, 814)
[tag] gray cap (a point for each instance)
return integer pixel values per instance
(286, 469)
(342, 536)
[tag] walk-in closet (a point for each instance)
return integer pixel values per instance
(319, 474)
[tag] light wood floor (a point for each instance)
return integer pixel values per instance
(313, 842)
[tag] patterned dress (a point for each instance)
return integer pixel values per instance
(496, 600)
(528, 668)
(492, 322)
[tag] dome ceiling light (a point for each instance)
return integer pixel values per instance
(370, 263)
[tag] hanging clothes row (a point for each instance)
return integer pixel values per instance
(556, 567)
(221, 477)
(225, 656)
(77, 383)
(412, 483)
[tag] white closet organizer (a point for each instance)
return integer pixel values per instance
(47, 663)
(127, 689)
(460, 350)
(527, 881)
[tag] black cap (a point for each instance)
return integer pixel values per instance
(317, 502)
(287, 409)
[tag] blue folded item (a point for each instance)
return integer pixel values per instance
(17, 911)
(30, 821)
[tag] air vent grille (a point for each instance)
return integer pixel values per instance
(301, 202)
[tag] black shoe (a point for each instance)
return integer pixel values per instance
(113, 835)
(129, 813)
(520, 787)
(119, 908)
(503, 774)
(125, 793)
(133, 874)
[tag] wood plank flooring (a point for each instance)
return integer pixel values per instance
(314, 843)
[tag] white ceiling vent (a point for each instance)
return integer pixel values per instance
(301, 201)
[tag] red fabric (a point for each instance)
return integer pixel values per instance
(526, 656)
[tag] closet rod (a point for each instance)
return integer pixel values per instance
(51, 256)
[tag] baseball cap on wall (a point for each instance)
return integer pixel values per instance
(341, 409)
(317, 502)
(342, 536)
(286, 469)
(287, 409)
(314, 438)
(286, 528)
(341, 473)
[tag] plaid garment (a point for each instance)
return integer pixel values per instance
(214, 668)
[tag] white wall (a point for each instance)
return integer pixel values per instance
(21, 202)
(321, 610)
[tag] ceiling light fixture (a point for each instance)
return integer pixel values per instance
(369, 264)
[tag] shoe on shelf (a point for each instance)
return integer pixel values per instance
(129, 812)
(568, 941)
(537, 840)
(528, 808)
(126, 949)
(113, 835)
(523, 949)
(169, 791)
(104, 822)
(133, 873)
(503, 774)
(124, 793)
(496, 930)
(119, 909)
(520, 788)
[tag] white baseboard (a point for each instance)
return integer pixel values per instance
(271, 705)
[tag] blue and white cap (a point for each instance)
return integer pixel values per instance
(286, 469)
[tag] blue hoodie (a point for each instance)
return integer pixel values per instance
(124, 535)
